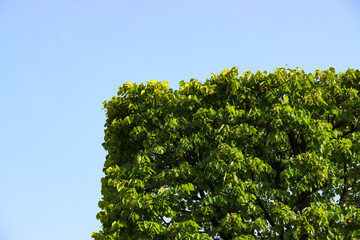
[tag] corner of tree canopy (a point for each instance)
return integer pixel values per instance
(258, 156)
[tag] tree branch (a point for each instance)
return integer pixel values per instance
(304, 196)
(267, 215)
(339, 124)
(293, 144)
(345, 189)
(166, 223)
(352, 129)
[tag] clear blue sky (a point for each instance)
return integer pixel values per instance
(59, 60)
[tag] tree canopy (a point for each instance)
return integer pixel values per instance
(253, 156)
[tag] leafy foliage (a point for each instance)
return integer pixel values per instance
(257, 156)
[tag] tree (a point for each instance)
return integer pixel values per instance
(257, 156)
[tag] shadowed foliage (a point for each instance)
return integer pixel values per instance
(257, 156)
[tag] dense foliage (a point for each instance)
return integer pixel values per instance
(258, 156)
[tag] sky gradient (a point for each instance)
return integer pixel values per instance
(59, 60)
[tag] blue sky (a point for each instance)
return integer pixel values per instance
(59, 60)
